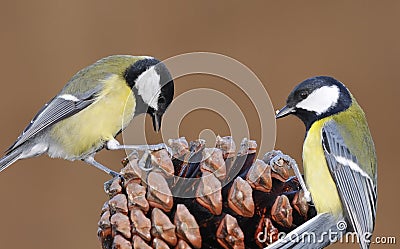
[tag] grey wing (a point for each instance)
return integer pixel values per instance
(355, 187)
(57, 109)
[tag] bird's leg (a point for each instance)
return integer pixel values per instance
(115, 145)
(90, 160)
(292, 163)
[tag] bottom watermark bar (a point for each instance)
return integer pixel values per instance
(384, 240)
(333, 236)
(352, 237)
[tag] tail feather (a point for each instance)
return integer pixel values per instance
(318, 232)
(9, 159)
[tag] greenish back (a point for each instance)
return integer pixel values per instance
(355, 132)
(90, 77)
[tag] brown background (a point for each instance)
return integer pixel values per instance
(48, 203)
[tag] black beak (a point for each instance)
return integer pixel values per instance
(156, 121)
(286, 110)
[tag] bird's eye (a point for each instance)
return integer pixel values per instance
(303, 95)
(161, 100)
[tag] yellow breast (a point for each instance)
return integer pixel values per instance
(86, 131)
(317, 176)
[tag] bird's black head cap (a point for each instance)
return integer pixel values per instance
(316, 98)
(153, 87)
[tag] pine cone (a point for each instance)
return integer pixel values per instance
(202, 198)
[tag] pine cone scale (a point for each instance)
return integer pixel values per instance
(201, 198)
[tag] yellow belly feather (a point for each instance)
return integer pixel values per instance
(317, 176)
(86, 131)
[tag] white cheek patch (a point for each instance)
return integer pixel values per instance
(148, 86)
(320, 100)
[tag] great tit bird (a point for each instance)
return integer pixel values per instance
(93, 107)
(339, 162)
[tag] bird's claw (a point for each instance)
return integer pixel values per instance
(144, 163)
(280, 156)
(160, 147)
(292, 164)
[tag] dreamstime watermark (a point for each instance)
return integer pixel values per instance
(332, 235)
(218, 101)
